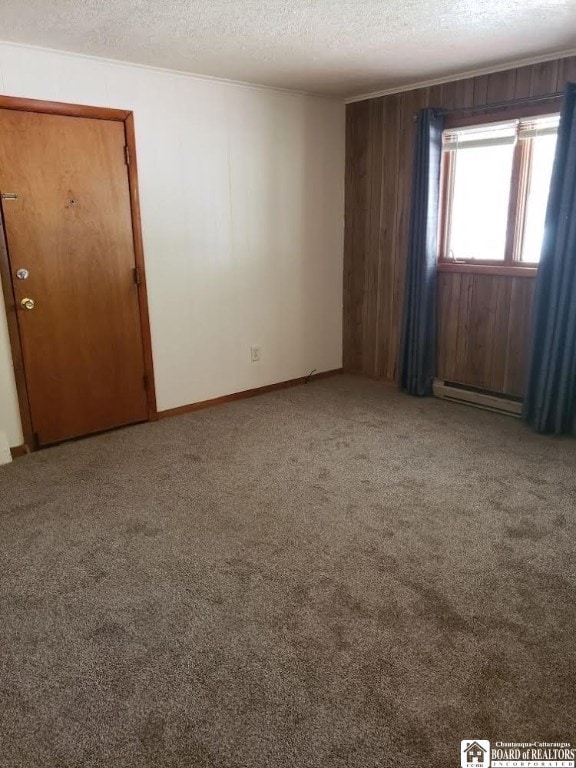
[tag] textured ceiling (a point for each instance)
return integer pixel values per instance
(336, 47)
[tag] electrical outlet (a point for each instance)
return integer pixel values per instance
(256, 354)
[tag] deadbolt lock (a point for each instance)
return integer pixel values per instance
(22, 274)
(27, 303)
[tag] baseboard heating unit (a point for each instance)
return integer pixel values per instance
(490, 401)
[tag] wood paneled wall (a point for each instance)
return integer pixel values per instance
(483, 328)
(482, 319)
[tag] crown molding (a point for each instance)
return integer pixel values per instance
(173, 72)
(290, 91)
(464, 75)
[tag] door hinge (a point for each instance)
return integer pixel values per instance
(137, 277)
(127, 154)
(145, 381)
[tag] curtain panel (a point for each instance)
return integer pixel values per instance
(418, 345)
(550, 399)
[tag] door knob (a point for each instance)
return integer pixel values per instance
(27, 303)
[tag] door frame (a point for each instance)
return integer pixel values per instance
(97, 113)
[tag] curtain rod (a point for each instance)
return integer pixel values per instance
(498, 105)
(501, 104)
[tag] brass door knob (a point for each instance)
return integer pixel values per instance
(27, 303)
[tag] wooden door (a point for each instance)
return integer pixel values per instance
(70, 228)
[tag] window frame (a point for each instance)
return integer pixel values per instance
(521, 166)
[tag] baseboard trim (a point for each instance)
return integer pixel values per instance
(19, 450)
(245, 394)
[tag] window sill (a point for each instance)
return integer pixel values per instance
(503, 270)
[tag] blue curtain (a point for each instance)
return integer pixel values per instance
(418, 346)
(550, 399)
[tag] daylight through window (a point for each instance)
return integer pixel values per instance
(495, 184)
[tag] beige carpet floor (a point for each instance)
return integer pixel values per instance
(330, 576)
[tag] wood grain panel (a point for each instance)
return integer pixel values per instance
(483, 327)
(379, 149)
(356, 198)
(523, 82)
(501, 86)
(457, 95)
(463, 336)
(519, 322)
(544, 78)
(500, 342)
(566, 72)
(388, 316)
(373, 229)
(449, 287)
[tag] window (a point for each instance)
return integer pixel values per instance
(495, 183)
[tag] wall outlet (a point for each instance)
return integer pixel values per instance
(256, 354)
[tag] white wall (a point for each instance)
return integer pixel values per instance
(242, 216)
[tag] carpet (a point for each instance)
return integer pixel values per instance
(330, 576)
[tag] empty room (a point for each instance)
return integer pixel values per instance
(287, 384)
